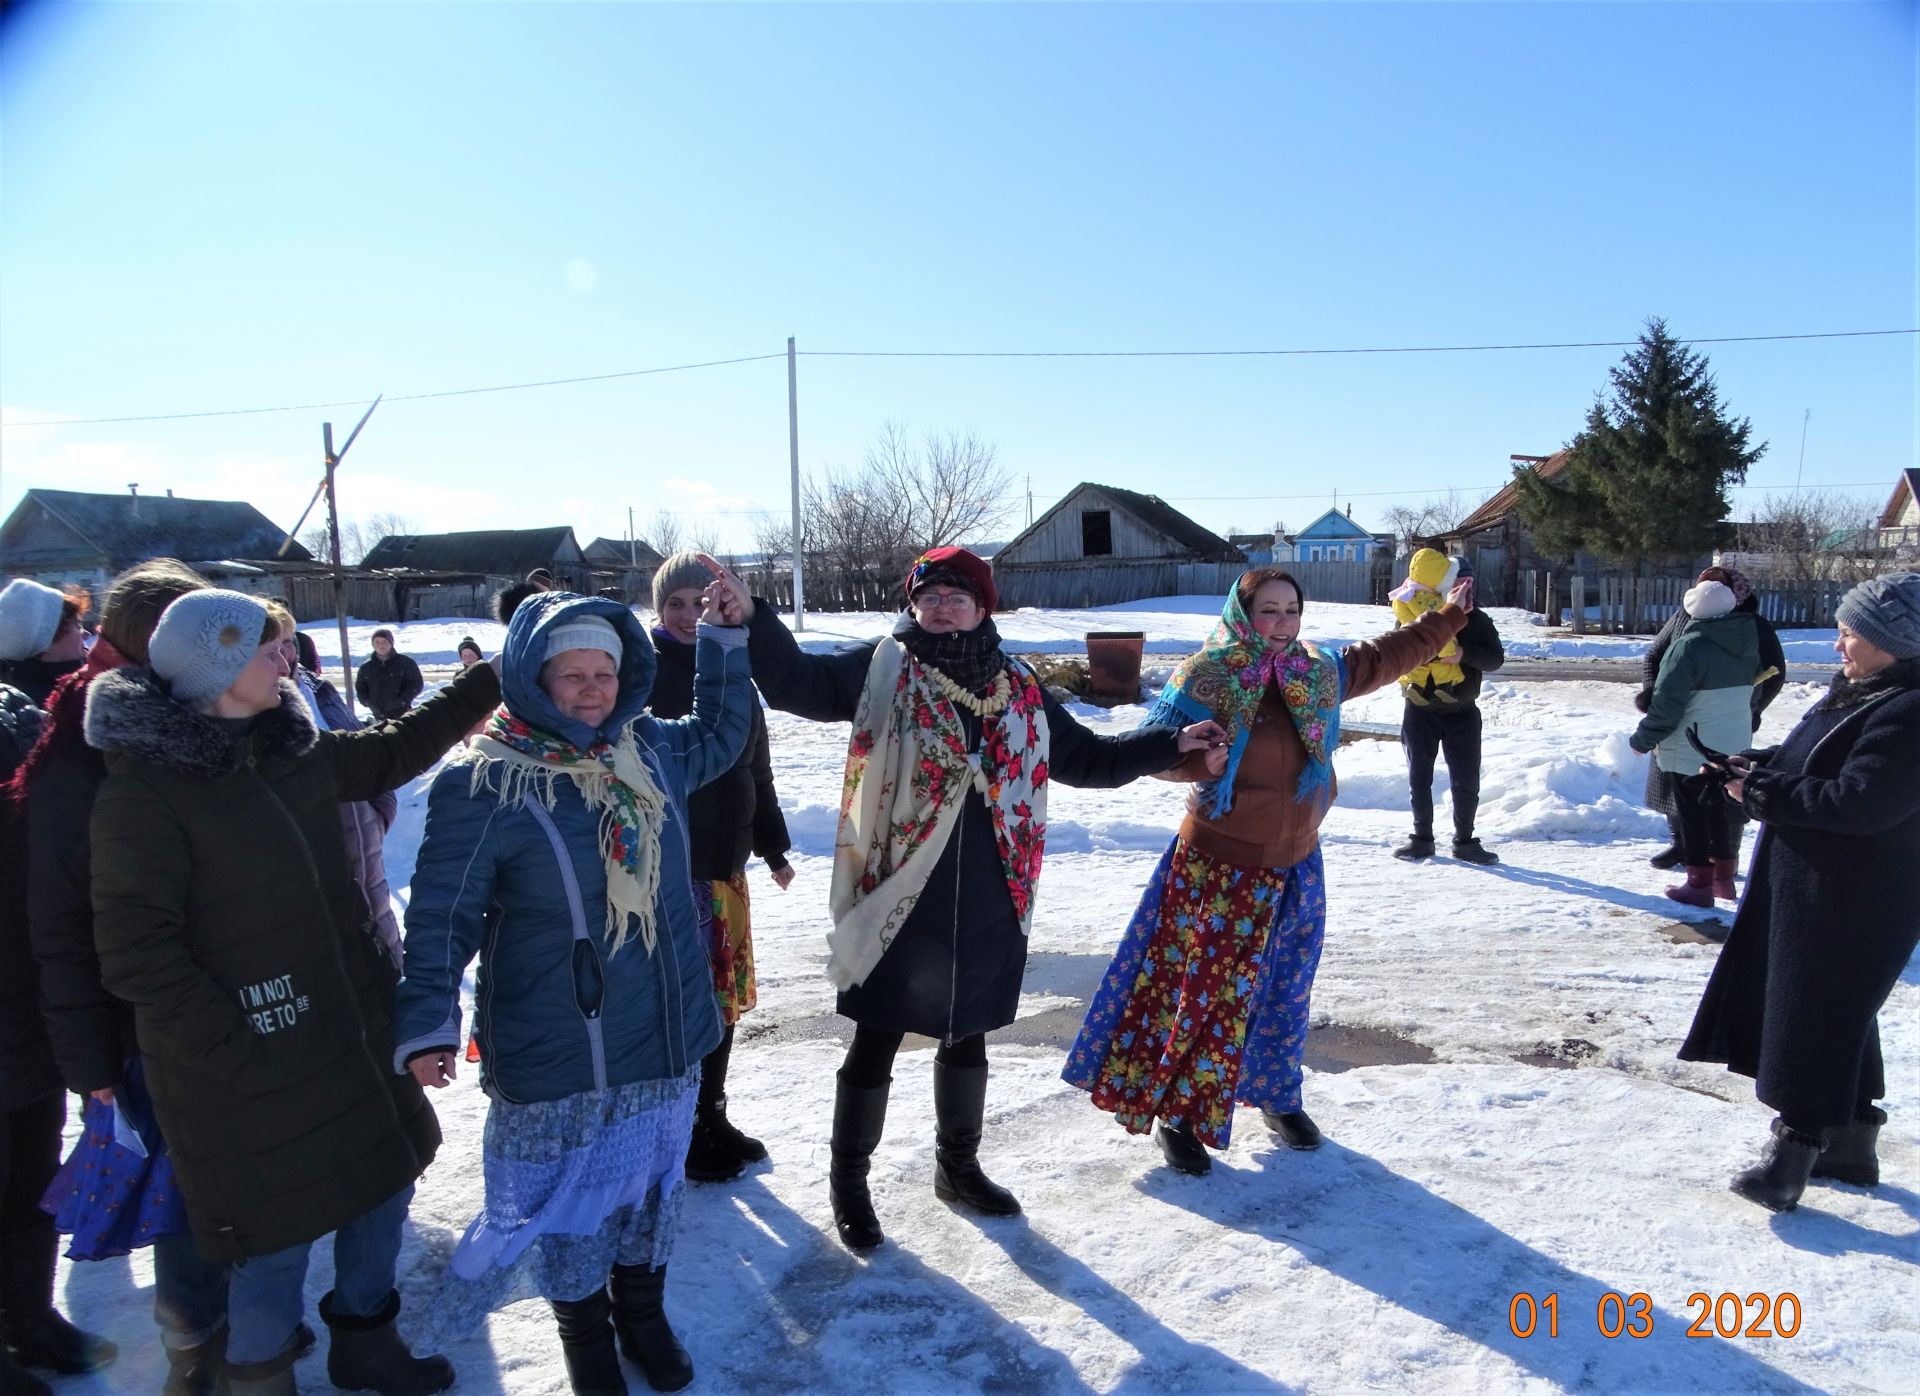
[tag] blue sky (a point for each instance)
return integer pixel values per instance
(222, 206)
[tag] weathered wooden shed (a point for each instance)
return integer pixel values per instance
(1102, 545)
(488, 552)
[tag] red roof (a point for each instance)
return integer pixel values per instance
(1501, 505)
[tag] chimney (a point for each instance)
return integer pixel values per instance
(133, 488)
(169, 494)
(1349, 508)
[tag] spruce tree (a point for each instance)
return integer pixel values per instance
(1648, 476)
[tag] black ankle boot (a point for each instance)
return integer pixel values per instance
(1295, 1128)
(1777, 1181)
(1851, 1155)
(368, 1354)
(959, 1107)
(1181, 1150)
(16, 1380)
(859, 1116)
(586, 1343)
(1668, 858)
(640, 1318)
(273, 1377)
(195, 1371)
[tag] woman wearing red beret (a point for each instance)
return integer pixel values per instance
(942, 826)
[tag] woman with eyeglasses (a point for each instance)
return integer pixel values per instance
(942, 827)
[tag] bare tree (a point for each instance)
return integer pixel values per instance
(1413, 525)
(357, 537)
(1810, 535)
(865, 526)
(665, 534)
(704, 537)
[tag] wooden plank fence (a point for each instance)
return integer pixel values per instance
(1622, 603)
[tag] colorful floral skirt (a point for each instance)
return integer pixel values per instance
(1206, 1000)
(116, 1191)
(731, 949)
(573, 1187)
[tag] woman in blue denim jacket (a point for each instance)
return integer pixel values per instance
(556, 850)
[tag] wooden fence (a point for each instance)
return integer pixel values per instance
(1108, 584)
(1620, 603)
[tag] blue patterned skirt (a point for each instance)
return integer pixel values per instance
(573, 1187)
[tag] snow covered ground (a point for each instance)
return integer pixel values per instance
(1527, 1131)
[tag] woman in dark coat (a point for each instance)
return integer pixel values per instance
(226, 915)
(131, 1202)
(1773, 677)
(938, 852)
(33, 1109)
(1832, 910)
(735, 815)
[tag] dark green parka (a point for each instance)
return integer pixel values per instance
(226, 914)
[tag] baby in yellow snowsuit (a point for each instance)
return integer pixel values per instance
(1429, 574)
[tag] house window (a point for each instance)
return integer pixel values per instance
(1096, 533)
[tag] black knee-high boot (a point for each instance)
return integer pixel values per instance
(959, 1108)
(586, 1342)
(640, 1318)
(859, 1116)
(718, 1151)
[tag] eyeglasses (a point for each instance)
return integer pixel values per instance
(943, 600)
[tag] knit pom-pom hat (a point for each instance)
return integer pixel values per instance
(203, 641)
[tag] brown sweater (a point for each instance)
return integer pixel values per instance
(1268, 827)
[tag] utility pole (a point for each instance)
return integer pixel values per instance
(1803, 448)
(793, 460)
(1029, 499)
(333, 459)
(633, 548)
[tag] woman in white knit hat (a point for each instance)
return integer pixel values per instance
(41, 641)
(227, 917)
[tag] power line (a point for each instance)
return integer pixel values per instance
(1281, 353)
(953, 354)
(398, 397)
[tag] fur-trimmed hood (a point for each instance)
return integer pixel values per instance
(130, 714)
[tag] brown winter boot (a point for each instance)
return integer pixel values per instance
(1697, 890)
(1723, 871)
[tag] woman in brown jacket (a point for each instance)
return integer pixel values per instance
(1206, 999)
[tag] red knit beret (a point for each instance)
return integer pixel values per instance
(954, 567)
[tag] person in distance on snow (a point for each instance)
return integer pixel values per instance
(1832, 911)
(1705, 687)
(942, 827)
(1766, 687)
(226, 915)
(1205, 1002)
(735, 814)
(388, 680)
(1442, 708)
(556, 850)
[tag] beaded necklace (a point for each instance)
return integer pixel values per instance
(996, 700)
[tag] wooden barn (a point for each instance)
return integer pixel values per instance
(1103, 544)
(625, 566)
(501, 555)
(60, 536)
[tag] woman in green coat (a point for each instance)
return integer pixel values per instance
(264, 1020)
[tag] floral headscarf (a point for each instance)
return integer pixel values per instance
(1226, 681)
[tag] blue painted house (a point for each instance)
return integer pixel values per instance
(1335, 537)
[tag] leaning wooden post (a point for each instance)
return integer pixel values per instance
(1579, 604)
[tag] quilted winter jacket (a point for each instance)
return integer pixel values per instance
(225, 914)
(524, 887)
(1706, 677)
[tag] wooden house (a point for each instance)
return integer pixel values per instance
(501, 555)
(61, 536)
(1334, 537)
(626, 566)
(1900, 520)
(1103, 544)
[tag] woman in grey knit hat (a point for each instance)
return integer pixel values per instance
(1832, 908)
